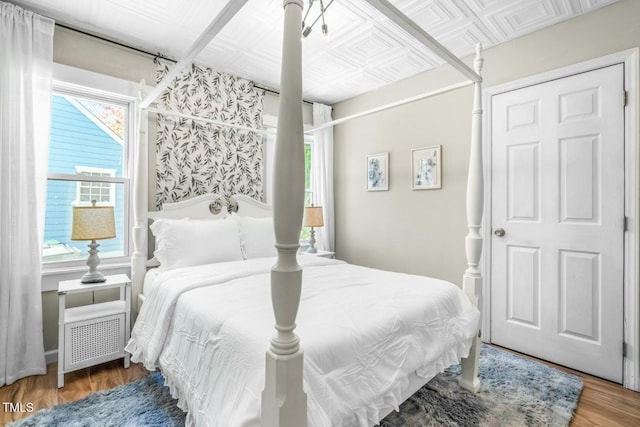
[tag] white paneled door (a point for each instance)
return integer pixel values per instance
(558, 221)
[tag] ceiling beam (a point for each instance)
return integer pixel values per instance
(225, 15)
(404, 22)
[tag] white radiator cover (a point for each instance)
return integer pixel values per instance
(94, 340)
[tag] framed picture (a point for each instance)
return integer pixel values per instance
(426, 168)
(378, 172)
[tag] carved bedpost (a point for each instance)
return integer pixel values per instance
(139, 197)
(472, 279)
(284, 402)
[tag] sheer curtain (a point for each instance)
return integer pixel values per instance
(322, 176)
(26, 52)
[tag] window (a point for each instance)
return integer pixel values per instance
(88, 160)
(305, 233)
(308, 194)
(102, 192)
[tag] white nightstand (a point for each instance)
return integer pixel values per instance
(94, 333)
(323, 254)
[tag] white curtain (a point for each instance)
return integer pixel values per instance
(322, 175)
(26, 63)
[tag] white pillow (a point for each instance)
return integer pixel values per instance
(184, 242)
(257, 236)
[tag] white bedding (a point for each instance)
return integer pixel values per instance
(363, 331)
(149, 280)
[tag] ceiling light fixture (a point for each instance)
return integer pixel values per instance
(306, 30)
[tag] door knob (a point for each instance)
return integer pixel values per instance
(499, 232)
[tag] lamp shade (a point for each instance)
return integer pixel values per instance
(93, 223)
(313, 216)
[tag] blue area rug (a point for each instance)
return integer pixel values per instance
(515, 392)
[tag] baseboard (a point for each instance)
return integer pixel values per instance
(51, 356)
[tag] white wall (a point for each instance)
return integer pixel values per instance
(423, 231)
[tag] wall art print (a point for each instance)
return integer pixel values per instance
(426, 168)
(378, 172)
(194, 157)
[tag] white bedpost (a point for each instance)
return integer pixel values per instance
(472, 279)
(139, 197)
(284, 402)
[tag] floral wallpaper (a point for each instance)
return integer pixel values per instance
(194, 157)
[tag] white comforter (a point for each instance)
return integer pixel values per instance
(363, 331)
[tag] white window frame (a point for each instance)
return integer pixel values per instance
(308, 140)
(75, 82)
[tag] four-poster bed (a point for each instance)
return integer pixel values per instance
(283, 400)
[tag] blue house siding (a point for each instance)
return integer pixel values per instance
(77, 141)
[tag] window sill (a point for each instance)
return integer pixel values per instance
(51, 276)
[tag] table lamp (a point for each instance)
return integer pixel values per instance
(312, 218)
(93, 223)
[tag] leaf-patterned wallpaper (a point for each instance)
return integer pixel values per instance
(193, 157)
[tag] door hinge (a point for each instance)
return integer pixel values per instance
(625, 223)
(624, 349)
(625, 97)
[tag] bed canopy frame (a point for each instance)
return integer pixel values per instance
(283, 399)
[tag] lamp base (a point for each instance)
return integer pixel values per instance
(96, 277)
(93, 275)
(312, 243)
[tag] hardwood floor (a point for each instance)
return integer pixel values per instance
(602, 403)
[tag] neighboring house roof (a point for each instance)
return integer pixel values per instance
(109, 121)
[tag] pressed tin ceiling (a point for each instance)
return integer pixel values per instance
(364, 50)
